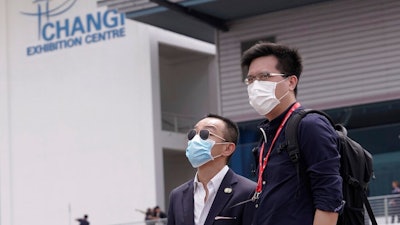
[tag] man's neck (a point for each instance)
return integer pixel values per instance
(206, 172)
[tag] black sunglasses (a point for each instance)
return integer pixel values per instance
(204, 134)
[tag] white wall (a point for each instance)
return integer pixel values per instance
(186, 84)
(5, 192)
(80, 125)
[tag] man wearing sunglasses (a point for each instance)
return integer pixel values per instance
(216, 195)
(310, 194)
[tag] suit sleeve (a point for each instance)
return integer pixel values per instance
(171, 216)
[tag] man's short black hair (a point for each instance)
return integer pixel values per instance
(232, 131)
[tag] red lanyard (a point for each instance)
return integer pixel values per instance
(263, 163)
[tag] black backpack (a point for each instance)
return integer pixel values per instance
(356, 169)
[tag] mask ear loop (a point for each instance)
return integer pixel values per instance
(222, 143)
(283, 96)
(217, 156)
(286, 92)
(227, 142)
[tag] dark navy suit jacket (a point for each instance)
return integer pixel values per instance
(234, 189)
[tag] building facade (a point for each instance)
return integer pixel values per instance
(351, 70)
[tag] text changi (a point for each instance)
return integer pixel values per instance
(79, 31)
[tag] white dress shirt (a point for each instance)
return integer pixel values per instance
(201, 205)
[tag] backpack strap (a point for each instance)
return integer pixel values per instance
(292, 127)
(368, 208)
(292, 144)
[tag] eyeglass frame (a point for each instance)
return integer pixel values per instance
(262, 77)
(199, 133)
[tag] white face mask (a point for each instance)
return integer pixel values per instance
(262, 96)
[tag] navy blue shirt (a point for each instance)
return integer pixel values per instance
(320, 185)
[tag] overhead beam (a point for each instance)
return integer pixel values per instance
(203, 17)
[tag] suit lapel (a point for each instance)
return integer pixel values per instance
(188, 204)
(224, 193)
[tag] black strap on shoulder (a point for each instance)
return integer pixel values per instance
(292, 128)
(369, 208)
(292, 144)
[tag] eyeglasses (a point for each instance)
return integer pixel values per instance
(261, 77)
(204, 134)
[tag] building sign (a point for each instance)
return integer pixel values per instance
(55, 34)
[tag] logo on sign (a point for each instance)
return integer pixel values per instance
(57, 34)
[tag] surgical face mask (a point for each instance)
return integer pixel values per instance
(198, 151)
(262, 96)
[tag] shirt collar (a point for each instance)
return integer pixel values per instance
(216, 180)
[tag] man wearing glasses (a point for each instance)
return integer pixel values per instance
(216, 195)
(312, 195)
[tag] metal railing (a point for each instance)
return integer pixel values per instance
(386, 209)
(177, 122)
(147, 222)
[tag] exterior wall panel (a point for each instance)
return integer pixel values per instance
(350, 51)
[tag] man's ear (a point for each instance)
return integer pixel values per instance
(293, 82)
(230, 148)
